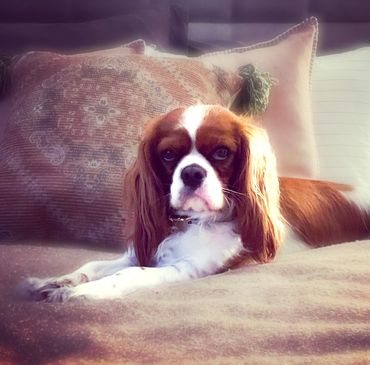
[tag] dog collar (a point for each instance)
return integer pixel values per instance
(182, 219)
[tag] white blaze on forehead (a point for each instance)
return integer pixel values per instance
(192, 118)
(209, 197)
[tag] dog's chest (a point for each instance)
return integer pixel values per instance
(216, 242)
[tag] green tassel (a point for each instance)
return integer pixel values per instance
(253, 97)
(4, 73)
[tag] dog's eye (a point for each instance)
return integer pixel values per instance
(221, 153)
(168, 155)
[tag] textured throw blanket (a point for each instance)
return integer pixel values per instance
(312, 307)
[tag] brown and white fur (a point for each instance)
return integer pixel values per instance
(218, 172)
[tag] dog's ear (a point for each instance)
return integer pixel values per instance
(257, 210)
(147, 204)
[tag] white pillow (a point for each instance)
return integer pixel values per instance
(341, 107)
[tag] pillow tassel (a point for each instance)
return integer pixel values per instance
(253, 97)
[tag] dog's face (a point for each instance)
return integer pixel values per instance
(205, 162)
(196, 157)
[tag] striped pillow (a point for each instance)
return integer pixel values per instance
(341, 107)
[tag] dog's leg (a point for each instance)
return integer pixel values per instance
(36, 288)
(129, 280)
(181, 257)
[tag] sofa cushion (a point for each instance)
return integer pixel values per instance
(288, 118)
(288, 58)
(310, 308)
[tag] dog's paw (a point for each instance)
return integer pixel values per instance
(47, 290)
(38, 289)
(30, 288)
(44, 290)
(51, 294)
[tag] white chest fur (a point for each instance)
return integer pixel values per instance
(205, 247)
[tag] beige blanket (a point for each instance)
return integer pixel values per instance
(311, 308)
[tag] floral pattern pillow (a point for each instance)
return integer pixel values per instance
(72, 130)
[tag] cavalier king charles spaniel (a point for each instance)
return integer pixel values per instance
(205, 197)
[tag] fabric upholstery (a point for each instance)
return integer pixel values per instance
(88, 24)
(70, 11)
(16, 38)
(311, 308)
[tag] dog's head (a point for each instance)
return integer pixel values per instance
(206, 163)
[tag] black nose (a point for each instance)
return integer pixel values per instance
(193, 176)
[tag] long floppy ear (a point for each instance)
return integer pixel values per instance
(257, 207)
(146, 204)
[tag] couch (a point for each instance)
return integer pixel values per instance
(308, 307)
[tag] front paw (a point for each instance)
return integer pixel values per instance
(37, 289)
(30, 288)
(56, 295)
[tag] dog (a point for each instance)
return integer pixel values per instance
(205, 197)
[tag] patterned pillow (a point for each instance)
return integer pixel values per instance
(73, 127)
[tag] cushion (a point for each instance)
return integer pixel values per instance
(73, 129)
(310, 308)
(288, 118)
(341, 94)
